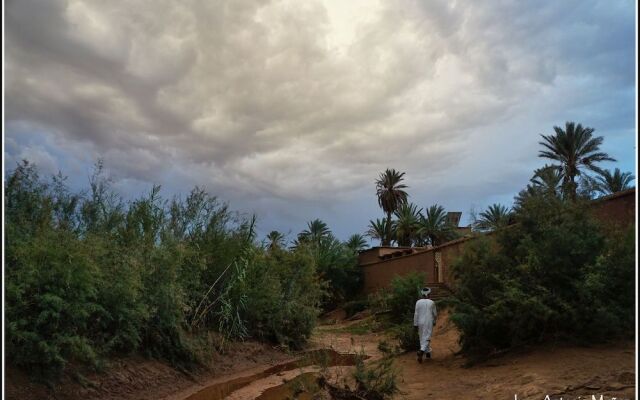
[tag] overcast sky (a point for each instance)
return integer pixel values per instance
(290, 109)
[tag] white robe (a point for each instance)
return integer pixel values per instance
(425, 318)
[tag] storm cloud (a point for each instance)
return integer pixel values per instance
(290, 109)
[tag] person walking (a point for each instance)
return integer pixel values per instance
(424, 319)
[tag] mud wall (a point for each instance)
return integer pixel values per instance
(618, 209)
(379, 275)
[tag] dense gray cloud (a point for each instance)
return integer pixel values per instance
(290, 109)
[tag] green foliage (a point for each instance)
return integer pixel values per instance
(608, 182)
(336, 263)
(391, 195)
(435, 227)
(575, 150)
(609, 289)
(495, 217)
(405, 291)
(380, 229)
(283, 295)
(379, 300)
(553, 275)
(356, 243)
(407, 336)
(89, 275)
(51, 301)
(377, 380)
(355, 306)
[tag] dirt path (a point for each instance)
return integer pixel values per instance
(557, 371)
(566, 371)
(256, 371)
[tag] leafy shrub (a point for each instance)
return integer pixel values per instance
(608, 289)
(283, 297)
(407, 336)
(338, 266)
(379, 301)
(378, 380)
(88, 276)
(355, 306)
(542, 279)
(405, 291)
(51, 302)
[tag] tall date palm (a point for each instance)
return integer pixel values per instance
(391, 195)
(574, 148)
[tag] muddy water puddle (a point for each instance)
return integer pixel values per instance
(322, 358)
(301, 388)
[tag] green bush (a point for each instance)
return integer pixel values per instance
(283, 297)
(51, 302)
(379, 301)
(89, 276)
(338, 266)
(407, 336)
(405, 291)
(608, 289)
(551, 276)
(378, 380)
(355, 306)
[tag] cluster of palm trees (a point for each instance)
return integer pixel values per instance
(315, 233)
(411, 226)
(574, 174)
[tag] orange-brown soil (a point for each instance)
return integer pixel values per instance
(556, 370)
(137, 378)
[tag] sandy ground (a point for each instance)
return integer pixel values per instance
(560, 371)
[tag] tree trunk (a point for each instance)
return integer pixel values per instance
(387, 235)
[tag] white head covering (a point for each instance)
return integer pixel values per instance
(425, 291)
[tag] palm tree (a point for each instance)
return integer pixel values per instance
(609, 183)
(356, 243)
(391, 196)
(378, 230)
(407, 224)
(548, 179)
(435, 227)
(496, 216)
(275, 240)
(316, 230)
(545, 181)
(574, 148)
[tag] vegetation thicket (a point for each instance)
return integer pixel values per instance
(556, 272)
(89, 275)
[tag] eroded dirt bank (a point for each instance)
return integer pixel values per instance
(136, 378)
